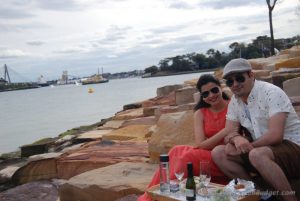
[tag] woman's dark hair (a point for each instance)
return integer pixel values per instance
(203, 80)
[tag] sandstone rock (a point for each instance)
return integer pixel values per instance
(278, 77)
(7, 173)
(161, 100)
(172, 129)
(296, 103)
(266, 79)
(44, 156)
(100, 154)
(150, 111)
(148, 103)
(129, 114)
(185, 95)
(289, 63)
(173, 109)
(72, 148)
(185, 107)
(128, 198)
(165, 109)
(291, 87)
(166, 90)
(140, 121)
(218, 73)
(132, 132)
(295, 100)
(92, 135)
(65, 139)
(297, 109)
(101, 184)
(192, 82)
(261, 73)
(270, 67)
(132, 106)
(292, 52)
(34, 191)
(112, 124)
(196, 97)
(36, 170)
(267, 63)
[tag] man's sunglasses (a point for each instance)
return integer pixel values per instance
(214, 90)
(239, 78)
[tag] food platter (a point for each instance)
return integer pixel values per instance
(240, 187)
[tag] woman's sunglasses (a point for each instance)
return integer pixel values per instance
(239, 78)
(214, 90)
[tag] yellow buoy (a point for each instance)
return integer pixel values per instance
(91, 90)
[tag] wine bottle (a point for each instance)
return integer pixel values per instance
(190, 187)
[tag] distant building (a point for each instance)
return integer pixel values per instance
(64, 77)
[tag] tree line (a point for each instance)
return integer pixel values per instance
(259, 47)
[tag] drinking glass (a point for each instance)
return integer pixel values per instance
(205, 176)
(179, 168)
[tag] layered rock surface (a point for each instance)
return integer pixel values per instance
(109, 183)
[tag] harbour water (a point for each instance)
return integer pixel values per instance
(29, 115)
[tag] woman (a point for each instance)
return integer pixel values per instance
(209, 123)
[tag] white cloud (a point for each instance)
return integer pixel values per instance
(12, 53)
(128, 34)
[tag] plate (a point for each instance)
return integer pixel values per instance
(248, 187)
(205, 192)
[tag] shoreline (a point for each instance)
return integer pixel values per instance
(73, 131)
(180, 73)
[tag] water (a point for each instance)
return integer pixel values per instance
(30, 115)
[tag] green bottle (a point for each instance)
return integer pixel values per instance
(190, 187)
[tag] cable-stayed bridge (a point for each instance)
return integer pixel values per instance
(8, 75)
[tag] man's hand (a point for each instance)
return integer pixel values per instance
(231, 150)
(242, 145)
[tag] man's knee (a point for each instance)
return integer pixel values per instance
(258, 156)
(218, 153)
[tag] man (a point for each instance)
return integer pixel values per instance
(267, 113)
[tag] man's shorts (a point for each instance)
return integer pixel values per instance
(287, 156)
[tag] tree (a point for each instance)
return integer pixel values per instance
(151, 69)
(271, 7)
(164, 64)
(200, 60)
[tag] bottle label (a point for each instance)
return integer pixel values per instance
(174, 186)
(189, 192)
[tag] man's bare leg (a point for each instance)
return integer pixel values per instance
(231, 166)
(262, 159)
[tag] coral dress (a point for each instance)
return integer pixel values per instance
(213, 123)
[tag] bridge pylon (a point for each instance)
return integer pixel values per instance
(6, 74)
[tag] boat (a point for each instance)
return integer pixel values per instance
(41, 82)
(95, 79)
(78, 83)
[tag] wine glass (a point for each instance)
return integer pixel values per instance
(178, 168)
(205, 176)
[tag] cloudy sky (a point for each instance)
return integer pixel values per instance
(46, 37)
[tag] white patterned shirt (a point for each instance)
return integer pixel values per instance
(264, 101)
